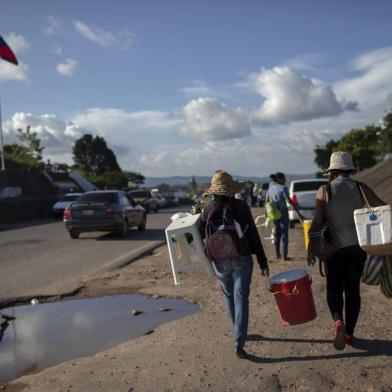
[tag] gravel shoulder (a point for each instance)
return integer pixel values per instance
(196, 353)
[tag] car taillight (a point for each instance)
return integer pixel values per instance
(110, 212)
(294, 199)
(67, 214)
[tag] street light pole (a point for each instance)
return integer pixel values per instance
(1, 142)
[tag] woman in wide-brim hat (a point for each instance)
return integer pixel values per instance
(233, 266)
(336, 203)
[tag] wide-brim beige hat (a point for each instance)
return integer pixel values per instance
(341, 160)
(222, 184)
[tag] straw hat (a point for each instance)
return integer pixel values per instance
(341, 160)
(222, 184)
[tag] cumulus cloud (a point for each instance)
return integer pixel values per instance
(8, 71)
(123, 39)
(53, 25)
(57, 135)
(67, 67)
(210, 119)
(290, 97)
(373, 85)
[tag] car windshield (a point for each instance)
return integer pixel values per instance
(70, 198)
(307, 186)
(138, 194)
(97, 198)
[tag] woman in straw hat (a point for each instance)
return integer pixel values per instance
(235, 272)
(336, 203)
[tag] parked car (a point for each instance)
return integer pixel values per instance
(161, 200)
(112, 211)
(171, 200)
(65, 202)
(303, 194)
(262, 193)
(145, 198)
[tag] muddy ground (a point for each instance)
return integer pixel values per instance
(196, 353)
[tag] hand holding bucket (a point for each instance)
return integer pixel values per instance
(293, 295)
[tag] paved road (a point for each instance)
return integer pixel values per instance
(43, 260)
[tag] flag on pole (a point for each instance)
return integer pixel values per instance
(6, 53)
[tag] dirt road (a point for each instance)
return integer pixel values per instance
(196, 353)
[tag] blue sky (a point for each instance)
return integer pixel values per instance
(180, 87)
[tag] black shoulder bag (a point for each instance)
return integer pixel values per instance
(319, 242)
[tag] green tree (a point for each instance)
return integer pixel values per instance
(19, 157)
(111, 180)
(323, 154)
(31, 141)
(386, 136)
(135, 177)
(363, 144)
(93, 157)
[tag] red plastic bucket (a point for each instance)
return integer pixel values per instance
(293, 295)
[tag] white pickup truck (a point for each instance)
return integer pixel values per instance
(303, 194)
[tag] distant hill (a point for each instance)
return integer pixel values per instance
(152, 182)
(379, 178)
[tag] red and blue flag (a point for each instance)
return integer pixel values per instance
(6, 53)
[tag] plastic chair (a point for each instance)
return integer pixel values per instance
(192, 254)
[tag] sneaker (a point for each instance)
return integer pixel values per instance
(240, 352)
(349, 339)
(338, 341)
(286, 258)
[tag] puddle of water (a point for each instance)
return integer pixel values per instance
(47, 334)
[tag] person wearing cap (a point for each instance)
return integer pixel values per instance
(279, 193)
(336, 204)
(234, 274)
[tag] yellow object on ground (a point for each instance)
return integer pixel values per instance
(306, 225)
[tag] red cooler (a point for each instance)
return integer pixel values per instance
(293, 294)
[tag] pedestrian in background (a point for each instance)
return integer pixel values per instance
(279, 194)
(224, 214)
(336, 204)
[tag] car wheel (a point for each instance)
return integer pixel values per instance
(74, 235)
(142, 225)
(292, 224)
(124, 229)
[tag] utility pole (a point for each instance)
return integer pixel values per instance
(1, 142)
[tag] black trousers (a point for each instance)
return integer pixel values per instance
(344, 272)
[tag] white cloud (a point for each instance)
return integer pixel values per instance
(8, 71)
(67, 68)
(291, 97)
(123, 39)
(17, 43)
(210, 119)
(106, 119)
(306, 62)
(11, 72)
(373, 86)
(57, 135)
(198, 88)
(57, 50)
(53, 25)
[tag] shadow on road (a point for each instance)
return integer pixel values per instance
(134, 235)
(369, 348)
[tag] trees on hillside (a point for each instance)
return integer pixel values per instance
(367, 145)
(31, 141)
(26, 154)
